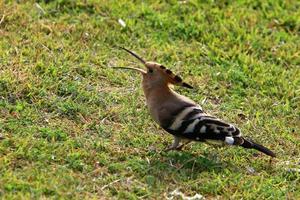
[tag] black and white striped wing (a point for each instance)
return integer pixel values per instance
(194, 124)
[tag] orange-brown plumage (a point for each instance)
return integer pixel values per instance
(181, 116)
(160, 98)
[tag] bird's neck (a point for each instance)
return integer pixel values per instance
(163, 99)
(158, 92)
(156, 98)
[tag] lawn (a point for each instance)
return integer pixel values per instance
(72, 127)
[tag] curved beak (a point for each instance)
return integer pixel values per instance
(135, 55)
(132, 68)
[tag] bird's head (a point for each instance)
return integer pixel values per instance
(156, 74)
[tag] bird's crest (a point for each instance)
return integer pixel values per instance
(173, 78)
(177, 80)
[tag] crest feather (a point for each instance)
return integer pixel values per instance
(176, 80)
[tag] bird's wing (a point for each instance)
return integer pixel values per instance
(192, 123)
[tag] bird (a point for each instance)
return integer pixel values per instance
(182, 117)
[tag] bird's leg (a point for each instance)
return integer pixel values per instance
(183, 144)
(175, 144)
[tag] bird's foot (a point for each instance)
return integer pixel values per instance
(180, 147)
(177, 148)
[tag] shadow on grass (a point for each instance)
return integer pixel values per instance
(189, 161)
(183, 164)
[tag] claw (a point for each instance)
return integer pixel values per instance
(180, 147)
(174, 145)
(170, 148)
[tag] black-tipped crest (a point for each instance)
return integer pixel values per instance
(168, 71)
(177, 79)
(186, 85)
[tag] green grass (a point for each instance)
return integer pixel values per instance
(74, 128)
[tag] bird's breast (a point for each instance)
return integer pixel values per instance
(164, 105)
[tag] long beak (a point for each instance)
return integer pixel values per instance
(132, 68)
(134, 54)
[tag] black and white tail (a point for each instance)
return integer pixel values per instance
(252, 145)
(192, 123)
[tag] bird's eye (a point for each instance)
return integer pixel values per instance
(150, 70)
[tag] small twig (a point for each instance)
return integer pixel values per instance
(2, 19)
(148, 161)
(41, 10)
(105, 186)
(189, 160)
(193, 167)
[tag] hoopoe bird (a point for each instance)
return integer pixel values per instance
(182, 117)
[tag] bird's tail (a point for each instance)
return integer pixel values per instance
(252, 145)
